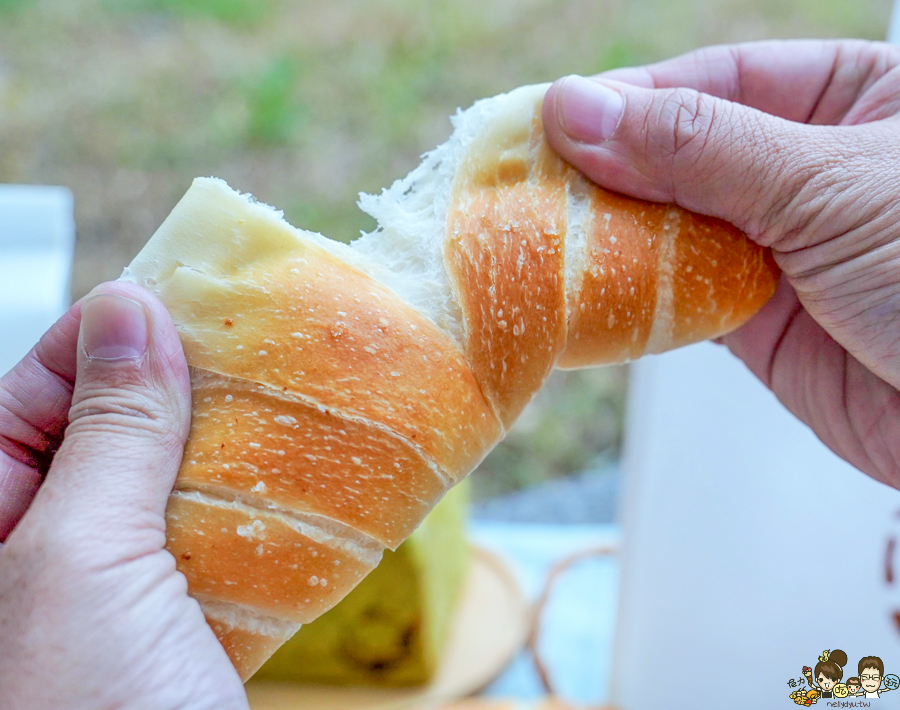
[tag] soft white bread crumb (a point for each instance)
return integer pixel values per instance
(412, 214)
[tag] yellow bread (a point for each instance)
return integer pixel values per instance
(340, 391)
(392, 629)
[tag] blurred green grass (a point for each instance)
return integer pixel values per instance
(275, 112)
(305, 104)
(8, 6)
(234, 11)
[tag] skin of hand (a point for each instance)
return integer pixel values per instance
(798, 144)
(93, 614)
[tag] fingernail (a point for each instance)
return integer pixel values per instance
(113, 327)
(589, 112)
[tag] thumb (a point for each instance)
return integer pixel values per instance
(128, 422)
(706, 154)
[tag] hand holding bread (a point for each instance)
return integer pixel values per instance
(795, 143)
(92, 610)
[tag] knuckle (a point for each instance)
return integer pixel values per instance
(803, 187)
(877, 57)
(106, 411)
(827, 185)
(692, 121)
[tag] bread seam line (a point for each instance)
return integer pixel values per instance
(576, 245)
(664, 307)
(534, 148)
(300, 522)
(311, 403)
(246, 618)
(260, 503)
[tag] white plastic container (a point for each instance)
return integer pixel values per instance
(748, 547)
(37, 238)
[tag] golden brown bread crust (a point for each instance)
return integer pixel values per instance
(505, 257)
(248, 639)
(719, 279)
(654, 277)
(330, 415)
(711, 279)
(280, 449)
(305, 322)
(612, 313)
(284, 567)
(247, 650)
(514, 328)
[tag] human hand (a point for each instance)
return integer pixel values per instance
(93, 613)
(798, 144)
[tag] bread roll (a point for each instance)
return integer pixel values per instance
(339, 391)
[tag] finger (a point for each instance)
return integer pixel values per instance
(19, 484)
(34, 403)
(763, 339)
(36, 394)
(851, 409)
(809, 81)
(129, 417)
(706, 154)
